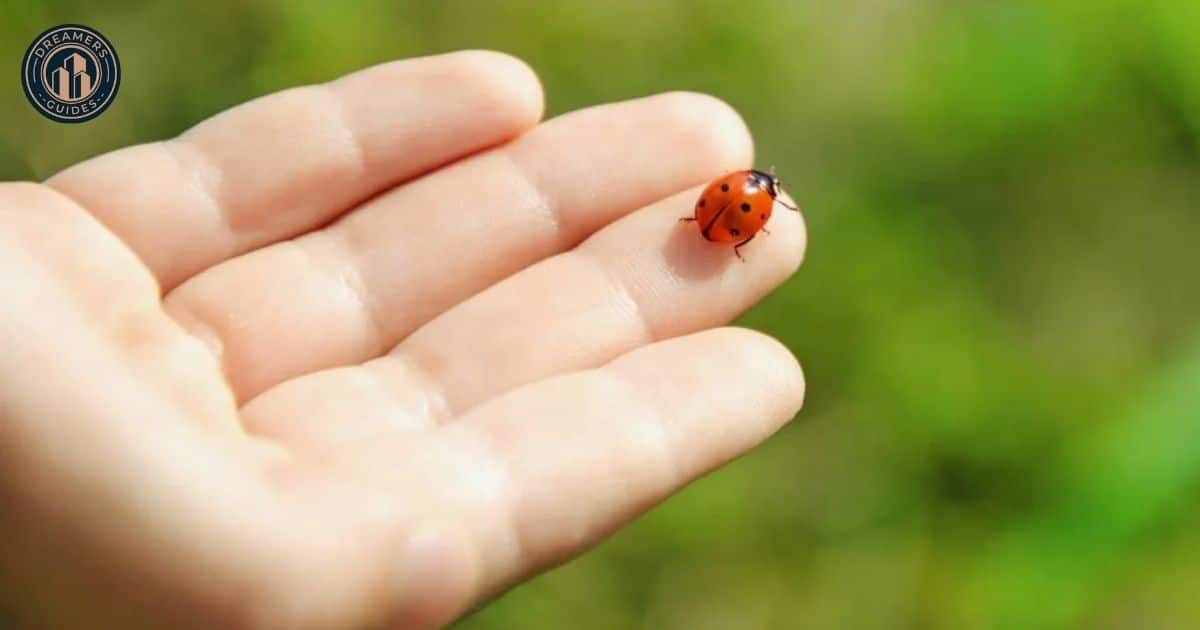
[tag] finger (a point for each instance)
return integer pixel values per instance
(547, 470)
(350, 292)
(285, 163)
(641, 279)
(77, 298)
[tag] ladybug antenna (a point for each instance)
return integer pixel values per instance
(778, 189)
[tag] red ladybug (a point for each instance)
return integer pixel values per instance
(735, 207)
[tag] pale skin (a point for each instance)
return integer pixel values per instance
(367, 353)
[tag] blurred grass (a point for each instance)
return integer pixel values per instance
(1003, 424)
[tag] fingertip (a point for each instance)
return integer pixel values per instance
(796, 230)
(510, 86)
(770, 364)
(712, 132)
(792, 243)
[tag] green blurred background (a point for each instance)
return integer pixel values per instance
(998, 314)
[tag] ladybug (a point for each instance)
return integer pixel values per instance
(734, 208)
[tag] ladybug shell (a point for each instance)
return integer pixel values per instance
(734, 208)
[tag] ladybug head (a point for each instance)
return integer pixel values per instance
(771, 184)
(767, 181)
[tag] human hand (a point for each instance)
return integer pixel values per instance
(367, 353)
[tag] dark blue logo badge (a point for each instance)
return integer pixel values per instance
(71, 73)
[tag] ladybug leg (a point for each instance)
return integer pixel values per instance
(737, 247)
(765, 231)
(686, 219)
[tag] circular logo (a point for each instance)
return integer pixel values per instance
(71, 73)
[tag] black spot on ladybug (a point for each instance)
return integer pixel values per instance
(724, 187)
(735, 232)
(763, 217)
(701, 203)
(745, 207)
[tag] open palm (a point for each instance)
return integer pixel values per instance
(367, 353)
